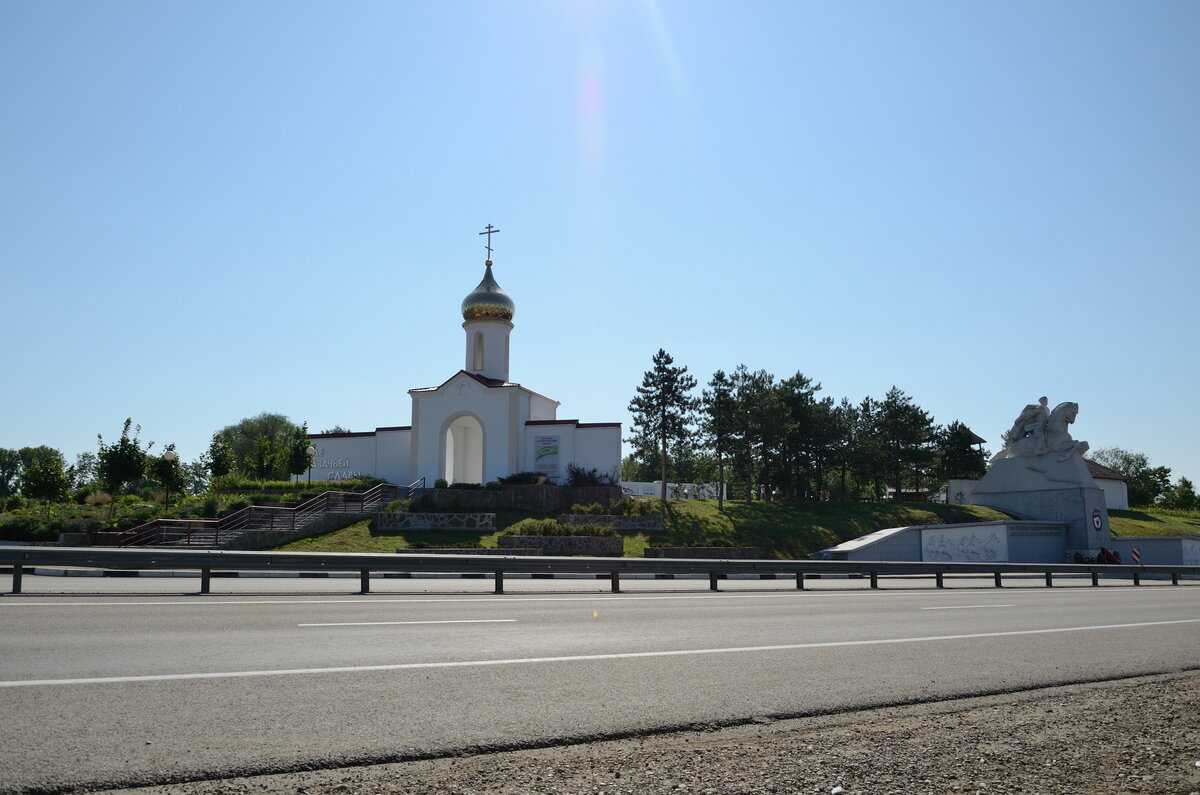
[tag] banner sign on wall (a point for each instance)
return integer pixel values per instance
(545, 457)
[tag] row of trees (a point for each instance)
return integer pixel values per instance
(749, 429)
(265, 447)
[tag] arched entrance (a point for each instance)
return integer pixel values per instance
(463, 450)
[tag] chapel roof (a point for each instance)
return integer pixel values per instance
(490, 383)
(488, 301)
(1103, 472)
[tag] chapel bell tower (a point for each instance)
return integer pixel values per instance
(487, 319)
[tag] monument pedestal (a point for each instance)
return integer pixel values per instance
(1044, 488)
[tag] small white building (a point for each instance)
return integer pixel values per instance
(477, 426)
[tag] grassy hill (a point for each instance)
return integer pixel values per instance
(780, 530)
(1154, 522)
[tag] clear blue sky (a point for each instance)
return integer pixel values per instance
(213, 209)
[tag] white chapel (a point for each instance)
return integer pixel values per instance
(477, 426)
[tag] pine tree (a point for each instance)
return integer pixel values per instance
(663, 411)
(717, 425)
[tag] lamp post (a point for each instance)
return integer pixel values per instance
(311, 452)
(170, 457)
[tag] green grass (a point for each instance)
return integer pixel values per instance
(1154, 522)
(780, 530)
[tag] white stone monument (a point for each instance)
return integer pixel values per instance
(1040, 474)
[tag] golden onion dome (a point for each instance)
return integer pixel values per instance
(488, 301)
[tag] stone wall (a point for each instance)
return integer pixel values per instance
(436, 521)
(707, 553)
(595, 546)
(648, 523)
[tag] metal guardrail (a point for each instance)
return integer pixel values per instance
(207, 561)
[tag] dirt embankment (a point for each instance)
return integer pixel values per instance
(1139, 735)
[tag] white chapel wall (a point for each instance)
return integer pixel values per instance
(344, 456)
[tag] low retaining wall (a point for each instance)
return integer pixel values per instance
(708, 553)
(435, 521)
(616, 522)
(594, 546)
(1160, 550)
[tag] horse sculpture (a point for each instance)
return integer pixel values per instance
(1040, 431)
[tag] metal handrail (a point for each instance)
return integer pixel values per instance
(151, 533)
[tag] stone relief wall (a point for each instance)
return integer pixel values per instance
(965, 545)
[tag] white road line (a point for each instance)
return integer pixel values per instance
(962, 607)
(576, 658)
(382, 623)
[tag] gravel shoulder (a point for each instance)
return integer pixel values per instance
(1131, 735)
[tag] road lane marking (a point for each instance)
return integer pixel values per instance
(577, 658)
(962, 607)
(383, 623)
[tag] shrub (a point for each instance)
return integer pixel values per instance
(524, 479)
(595, 509)
(631, 507)
(210, 507)
(466, 485)
(397, 506)
(14, 503)
(494, 485)
(423, 504)
(459, 545)
(440, 483)
(578, 476)
(31, 528)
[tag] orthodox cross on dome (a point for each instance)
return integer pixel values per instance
(489, 230)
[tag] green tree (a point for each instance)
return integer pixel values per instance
(663, 410)
(906, 433)
(336, 429)
(121, 462)
(866, 451)
(10, 472)
(298, 458)
(1144, 483)
(195, 476)
(1182, 496)
(257, 461)
(717, 425)
(958, 454)
(263, 459)
(635, 469)
(85, 469)
(760, 427)
(45, 475)
(220, 459)
(168, 472)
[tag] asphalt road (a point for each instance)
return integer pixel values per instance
(104, 688)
